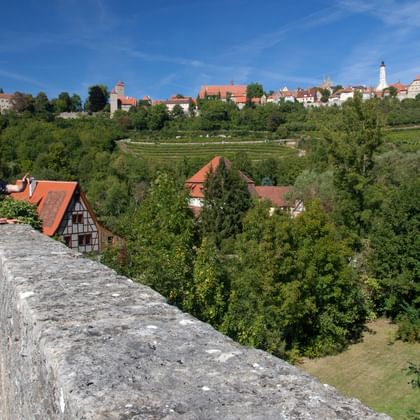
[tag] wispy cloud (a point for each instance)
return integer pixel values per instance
(22, 78)
(396, 42)
(391, 12)
(269, 40)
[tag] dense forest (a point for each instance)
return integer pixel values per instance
(302, 286)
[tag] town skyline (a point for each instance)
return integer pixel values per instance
(163, 49)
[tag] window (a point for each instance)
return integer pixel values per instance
(67, 241)
(110, 240)
(77, 218)
(85, 239)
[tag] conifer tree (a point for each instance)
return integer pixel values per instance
(226, 200)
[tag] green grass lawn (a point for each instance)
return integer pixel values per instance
(372, 371)
(173, 152)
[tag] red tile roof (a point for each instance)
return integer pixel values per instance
(222, 90)
(6, 95)
(127, 100)
(195, 184)
(399, 86)
(52, 199)
(274, 194)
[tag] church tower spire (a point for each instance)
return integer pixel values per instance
(382, 78)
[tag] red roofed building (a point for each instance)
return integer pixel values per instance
(275, 194)
(65, 213)
(118, 100)
(234, 93)
(185, 103)
(278, 197)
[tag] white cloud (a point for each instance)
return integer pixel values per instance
(22, 78)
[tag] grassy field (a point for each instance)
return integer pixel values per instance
(173, 152)
(372, 371)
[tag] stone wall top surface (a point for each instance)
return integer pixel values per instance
(103, 347)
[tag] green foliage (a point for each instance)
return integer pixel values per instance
(409, 324)
(226, 199)
(254, 90)
(161, 240)
(157, 116)
(208, 293)
(292, 289)
(20, 210)
(216, 114)
(325, 95)
(395, 258)
(97, 98)
(351, 153)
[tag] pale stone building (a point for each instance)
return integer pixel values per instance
(5, 102)
(414, 88)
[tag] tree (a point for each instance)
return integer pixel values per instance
(292, 288)
(252, 317)
(254, 90)
(208, 294)
(161, 240)
(22, 102)
(42, 105)
(215, 114)
(97, 98)
(157, 116)
(178, 113)
(226, 200)
(139, 117)
(391, 90)
(395, 242)
(350, 150)
(325, 95)
(75, 103)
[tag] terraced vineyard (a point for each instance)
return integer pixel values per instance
(407, 140)
(173, 152)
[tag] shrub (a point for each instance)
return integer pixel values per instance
(20, 210)
(409, 325)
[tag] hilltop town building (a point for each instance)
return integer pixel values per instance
(414, 88)
(232, 92)
(66, 213)
(5, 102)
(185, 103)
(382, 78)
(118, 100)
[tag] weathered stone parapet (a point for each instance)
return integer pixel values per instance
(78, 341)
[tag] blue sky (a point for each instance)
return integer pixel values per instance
(163, 47)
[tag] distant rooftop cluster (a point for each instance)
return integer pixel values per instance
(323, 95)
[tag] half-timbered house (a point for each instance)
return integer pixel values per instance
(67, 215)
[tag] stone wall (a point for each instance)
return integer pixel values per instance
(78, 341)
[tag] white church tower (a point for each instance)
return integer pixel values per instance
(382, 78)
